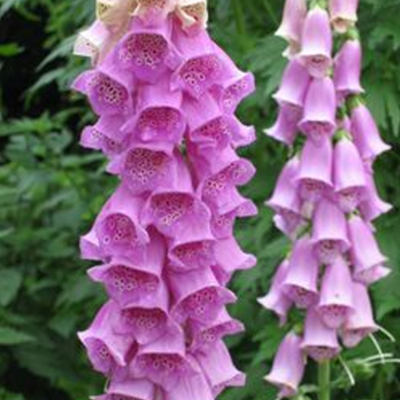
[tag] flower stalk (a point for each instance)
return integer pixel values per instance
(165, 95)
(325, 200)
(324, 380)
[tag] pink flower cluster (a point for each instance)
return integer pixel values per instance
(325, 200)
(165, 95)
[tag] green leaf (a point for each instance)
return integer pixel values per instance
(64, 323)
(10, 282)
(11, 337)
(5, 395)
(10, 50)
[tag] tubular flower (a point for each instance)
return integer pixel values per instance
(325, 200)
(165, 95)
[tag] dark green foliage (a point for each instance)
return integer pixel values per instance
(50, 191)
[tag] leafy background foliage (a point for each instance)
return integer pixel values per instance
(50, 191)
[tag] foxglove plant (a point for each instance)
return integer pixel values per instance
(165, 95)
(325, 200)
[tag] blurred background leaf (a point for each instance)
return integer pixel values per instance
(50, 191)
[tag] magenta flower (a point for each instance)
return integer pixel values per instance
(107, 350)
(158, 116)
(316, 43)
(165, 95)
(349, 176)
(223, 218)
(173, 212)
(329, 232)
(289, 365)
(145, 167)
(139, 389)
(361, 323)
(147, 319)
(126, 280)
(92, 41)
(106, 135)
(276, 300)
(366, 134)
(367, 258)
(211, 128)
(204, 335)
(219, 369)
(201, 67)
(325, 200)
(300, 283)
(225, 170)
(291, 27)
(285, 200)
(236, 85)
(229, 258)
(373, 206)
(147, 51)
(347, 72)
(285, 128)
(193, 249)
(117, 229)
(315, 172)
(194, 387)
(198, 295)
(108, 90)
(343, 14)
(293, 89)
(336, 301)
(319, 118)
(320, 342)
(163, 361)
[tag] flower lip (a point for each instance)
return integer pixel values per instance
(211, 359)
(288, 366)
(106, 135)
(204, 335)
(316, 43)
(173, 211)
(144, 167)
(198, 295)
(276, 300)
(285, 129)
(91, 41)
(234, 91)
(293, 88)
(320, 342)
(159, 117)
(131, 389)
(300, 283)
(285, 196)
(294, 15)
(108, 91)
(164, 361)
(201, 67)
(360, 323)
(147, 50)
(127, 283)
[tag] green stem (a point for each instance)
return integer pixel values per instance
(324, 380)
(379, 386)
